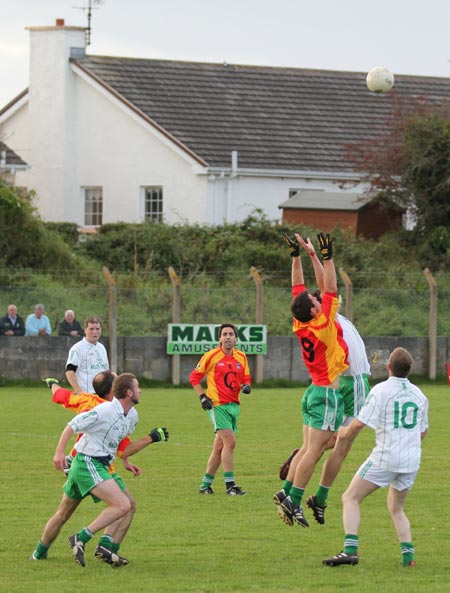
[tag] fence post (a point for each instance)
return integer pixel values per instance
(432, 324)
(176, 317)
(348, 294)
(259, 359)
(112, 319)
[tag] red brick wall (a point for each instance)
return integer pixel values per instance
(371, 222)
(325, 220)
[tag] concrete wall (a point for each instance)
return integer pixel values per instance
(38, 357)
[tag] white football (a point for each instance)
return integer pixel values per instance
(380, 80)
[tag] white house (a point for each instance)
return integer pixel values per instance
(110, 139)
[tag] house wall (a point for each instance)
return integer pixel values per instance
(52, 120)
(119, 153)
(74, 134)
(234, 198)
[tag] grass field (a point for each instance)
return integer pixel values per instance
(182, 542)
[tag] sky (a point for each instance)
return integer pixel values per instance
(406, 36)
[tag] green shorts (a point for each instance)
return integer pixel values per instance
(354, 391)
(225, 417)
(86, 473)
(322, 408)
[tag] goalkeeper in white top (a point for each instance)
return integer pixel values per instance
(398, 411)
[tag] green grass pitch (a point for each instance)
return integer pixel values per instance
(181, 542)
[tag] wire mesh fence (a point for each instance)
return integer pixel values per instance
(146, 309)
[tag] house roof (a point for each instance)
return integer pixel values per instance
(276, 118)
(8, 158)
(325, 200)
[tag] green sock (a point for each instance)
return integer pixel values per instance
(351, 543)
(208, 479)
(41, 550)
(106, 541)
(287, 487)
(85, 535)
(296, 495)
(322, 495)
(115, 547)
(229, 479)
(407, 550)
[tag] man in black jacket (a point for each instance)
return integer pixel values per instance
(69, 326)
(12, 324)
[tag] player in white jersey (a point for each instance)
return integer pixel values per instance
(354, 382)
(87, 358)
(354, 386)
(103, 427)
(398, 411)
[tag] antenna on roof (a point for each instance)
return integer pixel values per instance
(89, 6)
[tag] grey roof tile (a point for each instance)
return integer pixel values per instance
(276, 118)
(11, 158)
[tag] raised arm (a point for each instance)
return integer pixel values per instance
(297, 276)
(329, 276)
(317, 264)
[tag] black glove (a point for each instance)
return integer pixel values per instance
(246, 388)
(206, 402)
(159, 434)
(325, 246)
(292, 244)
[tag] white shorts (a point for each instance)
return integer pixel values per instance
(383, 477)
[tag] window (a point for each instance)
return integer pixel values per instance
(93, 206)
(153, 204)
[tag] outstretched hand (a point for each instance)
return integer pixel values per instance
(325, 246)
(292, 244)
(159, 434)
(306, 245)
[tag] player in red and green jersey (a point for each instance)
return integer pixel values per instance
(227, 372)
(325, 356)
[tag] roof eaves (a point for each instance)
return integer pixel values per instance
(138, 111)
(288, 173)
(14, 101)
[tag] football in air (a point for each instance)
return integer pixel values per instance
(380, 80)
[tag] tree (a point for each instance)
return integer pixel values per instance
(24, 240)
(409, 164)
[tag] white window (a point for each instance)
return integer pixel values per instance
(153, 203)
(93, 206)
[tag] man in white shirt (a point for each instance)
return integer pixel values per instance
(103, 427)
(398, 411)
(354, 386)
(87, 358)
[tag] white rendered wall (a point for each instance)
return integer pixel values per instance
(51, 118)
(119, 153)
(232, 199)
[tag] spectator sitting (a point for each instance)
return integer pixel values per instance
(12, 324)
(69, 326)
(37, 323)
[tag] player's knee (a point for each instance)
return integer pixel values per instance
(133, 506)
(123, 505)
